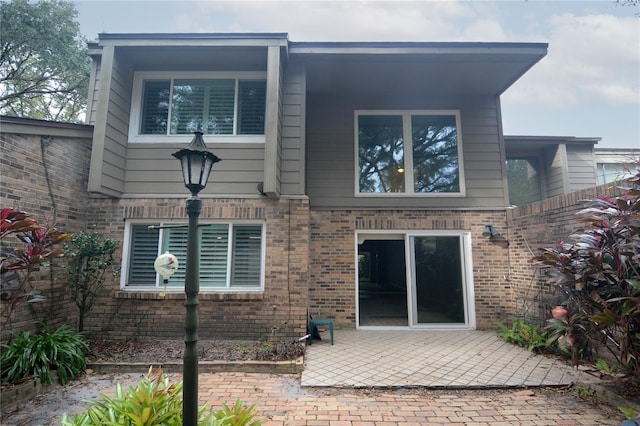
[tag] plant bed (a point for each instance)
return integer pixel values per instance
(214, 356)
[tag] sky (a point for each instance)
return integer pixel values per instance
(588, 85)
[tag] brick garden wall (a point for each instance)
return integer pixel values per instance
(332, 280)
(46, 177)
(123, 314)
(542, 225)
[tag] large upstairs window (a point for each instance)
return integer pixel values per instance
(408, 153)
(227, 107)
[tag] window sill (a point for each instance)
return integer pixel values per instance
(210, 139)
(155, 295)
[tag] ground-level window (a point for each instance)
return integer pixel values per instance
(408, 152)
(231, 255)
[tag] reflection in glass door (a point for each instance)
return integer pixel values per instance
(438, 288)
(382, 282)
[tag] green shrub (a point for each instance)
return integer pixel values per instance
(239, 415)
(89, 259)
(529, 336)
(155, 401)
(38, 354)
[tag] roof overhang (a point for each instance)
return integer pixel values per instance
(31, 126)
(531, 145)
(192, 51)
(430, 68)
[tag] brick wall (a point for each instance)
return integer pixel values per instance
(542, 225)
(333, 257)
(46, 177)
(308, 253)
(127, 314)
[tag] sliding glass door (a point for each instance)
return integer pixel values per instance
(437, 280)
(415, 280)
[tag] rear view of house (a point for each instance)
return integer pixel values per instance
(356, 181)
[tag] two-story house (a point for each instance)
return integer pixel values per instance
(355, 184)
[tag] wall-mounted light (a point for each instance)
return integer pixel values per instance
(490, 232)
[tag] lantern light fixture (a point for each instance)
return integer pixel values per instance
(196, 162)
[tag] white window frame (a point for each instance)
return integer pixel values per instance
(408, 149)
(135, 115)
(159, 285)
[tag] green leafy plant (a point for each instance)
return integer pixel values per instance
(18, 262)
(629, 414)
(602, 365)
(39, 354)
(583, 391)
(599, 271)
(154, 401)
(89, 261)
(238, 415)
(529, 336)
(570, 335)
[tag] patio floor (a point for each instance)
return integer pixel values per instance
(433, 359)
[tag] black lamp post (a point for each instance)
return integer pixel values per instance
(196, 164)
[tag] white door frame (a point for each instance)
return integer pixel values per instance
(406, 236)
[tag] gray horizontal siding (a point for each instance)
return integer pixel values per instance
(581, 167)
(556, 176)
(110, 115)
(152, 170)
(115, 147)
(330, 153)
(292, 137)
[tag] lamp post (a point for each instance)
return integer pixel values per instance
(196, 164)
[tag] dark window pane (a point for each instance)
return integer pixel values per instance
(219, 111)
(155, 107)
(187, 108)
(380, 153)
(247, 252)
(144, 250)
(435, 153)
(251, 107)
(213, 255)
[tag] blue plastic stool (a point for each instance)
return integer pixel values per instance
(323, 322)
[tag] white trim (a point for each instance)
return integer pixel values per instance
(408, 158)
(159, 287)
(406, 236)
(136, 105)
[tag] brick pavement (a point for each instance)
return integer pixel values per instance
(283, 401)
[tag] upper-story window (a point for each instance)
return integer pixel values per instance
(408, 153)
(227, 107)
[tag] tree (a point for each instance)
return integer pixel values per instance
(44, 66)
(89, 261)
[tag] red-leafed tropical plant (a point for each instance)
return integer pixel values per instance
(18, 261)
(599, 272)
